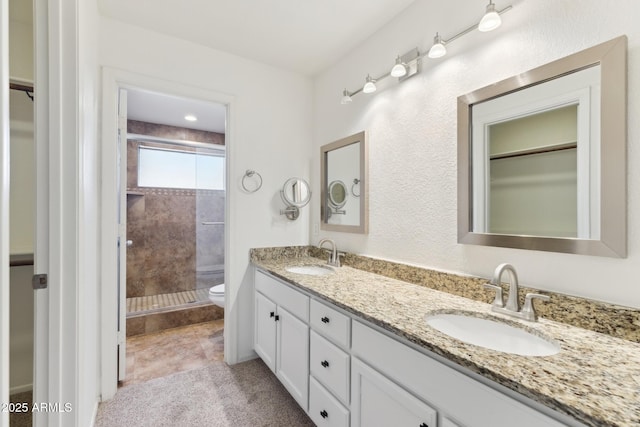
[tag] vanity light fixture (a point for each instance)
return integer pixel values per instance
(408, 65)
(399, 69)
(346, 97)
(190, 118)
(437, 50)
(370, 85)
(491, 19)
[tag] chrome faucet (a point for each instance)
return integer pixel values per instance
(334, 256)
(512, 308)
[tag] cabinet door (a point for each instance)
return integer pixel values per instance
(265, 330)
(376, 401)
(292, 364)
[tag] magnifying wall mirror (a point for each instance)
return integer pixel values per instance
(295, 194)
(542, 157)
(343, 161)
(337, 194)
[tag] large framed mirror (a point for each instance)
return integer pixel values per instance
(542, 157)
(344, 185)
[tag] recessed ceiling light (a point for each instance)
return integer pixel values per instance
(190, 118)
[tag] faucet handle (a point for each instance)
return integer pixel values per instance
(528, 311)
(498, 300)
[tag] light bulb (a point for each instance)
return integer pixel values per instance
(190, 118)
(346, 97)
(370, 85)
(437, 50)
(400, 69)
(491, 19)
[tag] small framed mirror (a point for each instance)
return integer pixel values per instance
(343, 208)
(542, 157)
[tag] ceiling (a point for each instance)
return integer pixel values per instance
(304, 36)
(153, 107)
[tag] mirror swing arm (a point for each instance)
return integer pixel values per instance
(611, 56)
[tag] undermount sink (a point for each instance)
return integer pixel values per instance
(311, 270)
(492, 334)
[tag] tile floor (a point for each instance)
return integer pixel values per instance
(173, 350)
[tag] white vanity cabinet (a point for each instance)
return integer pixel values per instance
(344, 372)
(380, 363)
(281, 334)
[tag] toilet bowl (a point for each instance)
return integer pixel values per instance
(216, 295)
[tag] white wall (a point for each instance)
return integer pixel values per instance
(270, 133)
(412, 135)
(21, 51)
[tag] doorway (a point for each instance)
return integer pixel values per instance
(173, 204)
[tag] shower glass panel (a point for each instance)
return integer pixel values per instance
(210, 210)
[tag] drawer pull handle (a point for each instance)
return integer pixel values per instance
(325, 319)
(272, 314)
(424, 425)
(324, 363)
(325, 414)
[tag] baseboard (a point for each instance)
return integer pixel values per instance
(247, 357)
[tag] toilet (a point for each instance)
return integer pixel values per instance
(216, 295)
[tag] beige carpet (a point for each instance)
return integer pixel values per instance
(246, 394)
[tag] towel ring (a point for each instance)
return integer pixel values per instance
(356, 181)
(249, 174)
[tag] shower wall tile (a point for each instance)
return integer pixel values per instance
(165, 225)
(173, 132)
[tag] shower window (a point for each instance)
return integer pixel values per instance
(167, 168)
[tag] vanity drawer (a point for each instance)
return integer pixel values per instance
(293, 301)
(331, 323)
(330, 366)
(324, 409)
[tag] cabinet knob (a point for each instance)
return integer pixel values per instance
(424, 425)
(325, 414)
(272, 314)
(325, 319)
(324, 363)
(277, 317)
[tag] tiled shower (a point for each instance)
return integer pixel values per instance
(176, 240)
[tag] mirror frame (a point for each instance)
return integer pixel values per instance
(612, 58)
(363, 227)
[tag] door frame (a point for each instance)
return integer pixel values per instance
(112, 81)
(4, 208)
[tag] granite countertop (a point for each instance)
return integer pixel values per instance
(595, 378)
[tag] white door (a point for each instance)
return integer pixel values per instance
(265, 330)
(122, 234)
(378, 402)
(292, 355)
(4, 208)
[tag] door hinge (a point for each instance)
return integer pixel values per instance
(39, 281)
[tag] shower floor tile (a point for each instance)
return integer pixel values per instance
(153, 303)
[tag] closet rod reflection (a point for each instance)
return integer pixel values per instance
(20, 260)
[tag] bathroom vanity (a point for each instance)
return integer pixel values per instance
(354, 349)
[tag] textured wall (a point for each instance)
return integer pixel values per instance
(165, 224)
(412, 134)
